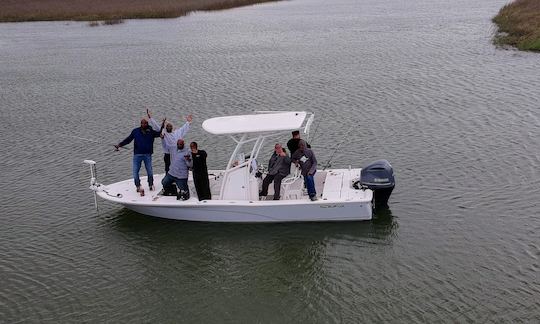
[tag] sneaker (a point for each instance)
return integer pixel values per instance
(314, 198)
(152, 188)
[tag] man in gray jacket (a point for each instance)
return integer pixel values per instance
(308, 163)
(279, 167)
(179, 170)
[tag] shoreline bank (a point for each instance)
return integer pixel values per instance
(519, 25)
(117, 10)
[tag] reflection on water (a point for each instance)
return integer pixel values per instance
(307, 237)
(256, 263)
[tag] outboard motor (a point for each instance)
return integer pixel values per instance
(379, 177)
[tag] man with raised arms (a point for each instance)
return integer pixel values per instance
(143, 148)
(170, 137)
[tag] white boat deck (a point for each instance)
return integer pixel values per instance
(331, 185)
(338, 201)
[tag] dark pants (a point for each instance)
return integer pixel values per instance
(202, 186)
(277, 185)
(167, 160)
(181, 184)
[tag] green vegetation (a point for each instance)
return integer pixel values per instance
(109, 10)
(519, 25)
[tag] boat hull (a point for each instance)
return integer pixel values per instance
(231, 213)
(338, 201)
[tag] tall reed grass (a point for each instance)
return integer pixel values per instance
(519, 25)
(111, 10)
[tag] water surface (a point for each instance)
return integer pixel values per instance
(418, 83)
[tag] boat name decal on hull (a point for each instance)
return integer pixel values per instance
(332, 206)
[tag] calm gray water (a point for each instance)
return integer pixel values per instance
(416, 82)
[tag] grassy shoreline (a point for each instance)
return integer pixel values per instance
(519, 25)
(109, 10)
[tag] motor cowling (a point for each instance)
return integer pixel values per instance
(379, 177)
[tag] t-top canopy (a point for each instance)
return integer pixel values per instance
(257, 123)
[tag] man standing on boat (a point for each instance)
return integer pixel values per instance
(178, 173)
(308, 163)
(170, 137)
(279, 167)
(200, 172)
(293, 143)
(143, 148)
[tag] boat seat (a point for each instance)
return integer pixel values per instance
(292, 185)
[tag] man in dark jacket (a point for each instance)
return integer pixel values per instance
(142, 151)
(279, 167)
(292, 144)
(308, 163)
(200, 172)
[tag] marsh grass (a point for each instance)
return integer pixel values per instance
(109, 10)
(519, 25)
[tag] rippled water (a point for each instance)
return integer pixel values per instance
(415, 82)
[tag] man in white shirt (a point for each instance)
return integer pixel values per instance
(170, 137)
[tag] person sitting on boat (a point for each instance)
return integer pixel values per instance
(178, 173)
(292, 144)
(308, 163)
(143, 149)
(170, 137)
(200, 172)
(279, 167)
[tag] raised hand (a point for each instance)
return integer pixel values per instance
(189, 118)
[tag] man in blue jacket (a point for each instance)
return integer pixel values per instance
(143, 148)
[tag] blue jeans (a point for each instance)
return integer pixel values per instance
(181, 184)
(309, 181)
(137, 160)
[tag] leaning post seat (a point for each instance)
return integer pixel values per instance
(292, 185)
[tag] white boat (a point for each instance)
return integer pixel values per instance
(235, 190)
